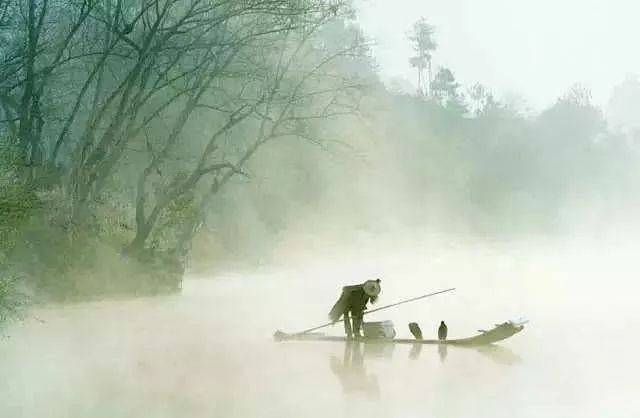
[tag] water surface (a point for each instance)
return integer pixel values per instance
(209, 352)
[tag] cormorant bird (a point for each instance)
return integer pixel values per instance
(442, 331)
(415, 330)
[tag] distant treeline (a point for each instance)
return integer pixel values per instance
(414, 165)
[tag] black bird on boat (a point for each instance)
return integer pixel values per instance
(415, 330)
(442, 331)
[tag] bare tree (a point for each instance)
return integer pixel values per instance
(170, 46)
(32, 53)
(297, 99)
(179, 95)
(269, 100)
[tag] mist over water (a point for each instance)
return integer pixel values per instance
(210, 352)
(239, 162)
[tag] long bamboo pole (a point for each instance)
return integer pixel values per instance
(381, 308)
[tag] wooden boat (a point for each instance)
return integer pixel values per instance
(498, 333)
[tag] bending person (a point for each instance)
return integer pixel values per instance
(351, 305)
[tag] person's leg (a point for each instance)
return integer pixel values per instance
(347, 326)
(357, 323)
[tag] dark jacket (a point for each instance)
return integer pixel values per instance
(353, 299)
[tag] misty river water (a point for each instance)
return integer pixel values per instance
(209, 352)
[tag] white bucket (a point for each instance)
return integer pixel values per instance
(382, 329)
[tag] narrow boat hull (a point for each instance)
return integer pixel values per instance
(499, 333)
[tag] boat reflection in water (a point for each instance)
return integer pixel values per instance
(497, 353)
(356, 379)
(442, 352)
(351, 371)
(416, 351)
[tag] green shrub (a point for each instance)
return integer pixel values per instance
(11, 298)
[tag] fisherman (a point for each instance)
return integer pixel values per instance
(442, 331)
(351, 305)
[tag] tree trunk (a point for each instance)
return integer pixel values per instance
(137, 245)
(25, 131)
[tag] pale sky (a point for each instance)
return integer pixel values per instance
(533, 48)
